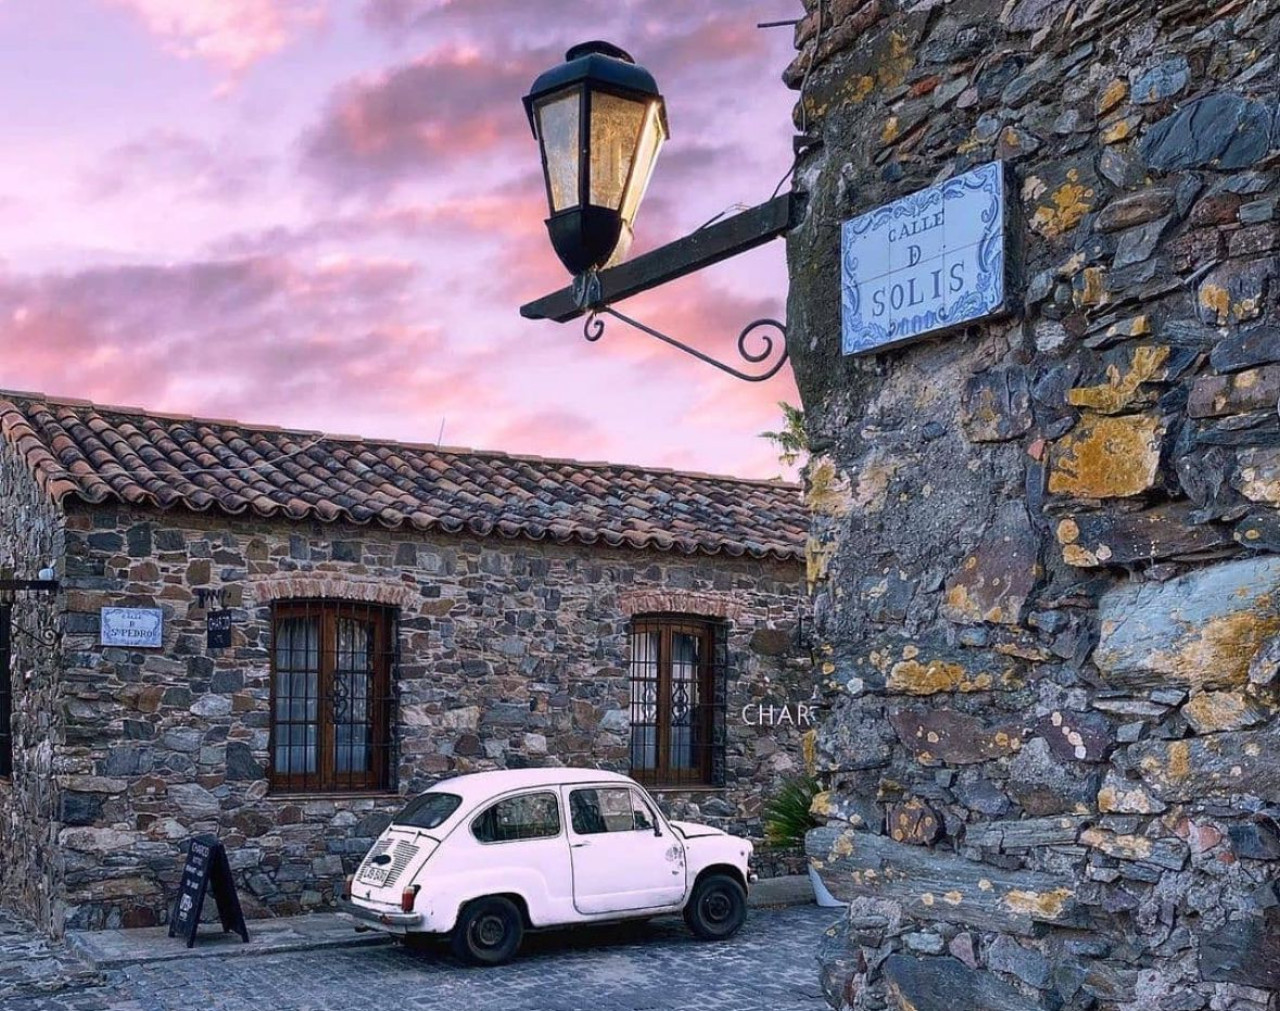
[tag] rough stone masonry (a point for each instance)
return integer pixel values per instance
(1047, 547)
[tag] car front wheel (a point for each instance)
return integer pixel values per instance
(717, 908)
(488, 932)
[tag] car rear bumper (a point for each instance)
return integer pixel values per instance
(372, 919)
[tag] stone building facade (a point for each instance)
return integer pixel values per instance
(509, 591)
(1047, 546)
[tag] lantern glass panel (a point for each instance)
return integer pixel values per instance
(615, 133)
(559, 130)
(652, 138)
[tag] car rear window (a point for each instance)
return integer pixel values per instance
(428, 810)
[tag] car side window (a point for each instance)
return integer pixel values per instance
(595, 811)
(528, 816)
(644, 816)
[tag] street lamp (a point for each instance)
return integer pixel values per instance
(600, 121)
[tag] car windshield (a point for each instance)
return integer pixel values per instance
(429, 810)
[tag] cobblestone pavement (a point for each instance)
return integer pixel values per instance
(30, 964)
(657, 966)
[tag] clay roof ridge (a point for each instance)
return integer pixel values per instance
(443, 450)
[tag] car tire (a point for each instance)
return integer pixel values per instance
(717, 908)
(488, 932)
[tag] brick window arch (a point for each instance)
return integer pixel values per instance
(679, 664)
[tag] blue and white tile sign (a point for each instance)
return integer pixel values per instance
(929, 261)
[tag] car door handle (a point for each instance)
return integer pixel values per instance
(579, 845)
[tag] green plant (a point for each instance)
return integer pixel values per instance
(786, 815)
(791, 440)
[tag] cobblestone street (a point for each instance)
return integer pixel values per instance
(657, 966)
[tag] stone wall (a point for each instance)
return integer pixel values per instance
(30, 538)
(513, 653)
(1045, 546)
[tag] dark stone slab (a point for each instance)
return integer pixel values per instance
(1077, 737)
(1259, 531)
(1235, 291)
(1257, 346)
(996, 405)
(240, 762)
(945, 984)
(1200, 630)
(1255, 841)
(932, 885)
(1093, 540)
(994, 582)
(1217, 766)
(1025, 833)
(1253, 390)
(1135, 209)
(1223, 130)
(1244, 952)
(1162, 81)
(914, 822)
(943, 736)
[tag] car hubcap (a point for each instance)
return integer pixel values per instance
(717, 907)
(489, 931)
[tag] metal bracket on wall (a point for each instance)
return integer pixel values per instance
(594, 293)
(593, 330)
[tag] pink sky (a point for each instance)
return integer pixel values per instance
(325, 214)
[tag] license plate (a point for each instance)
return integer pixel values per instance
(376, 875)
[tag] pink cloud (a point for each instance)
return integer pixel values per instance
(230, 34)
(175, 159)
(420, 118)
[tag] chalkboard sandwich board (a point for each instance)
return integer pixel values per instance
(207, 866)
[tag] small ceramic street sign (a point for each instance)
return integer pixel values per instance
(140, 627)
(932, 260)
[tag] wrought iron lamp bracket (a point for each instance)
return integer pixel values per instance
(593, 292)
(45, 637)
(593, 330)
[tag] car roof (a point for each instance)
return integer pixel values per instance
(476, 786)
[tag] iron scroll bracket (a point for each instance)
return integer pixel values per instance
(593, 330)
(592, 294)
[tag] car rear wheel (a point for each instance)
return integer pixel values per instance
(489, 931)
(718, 907)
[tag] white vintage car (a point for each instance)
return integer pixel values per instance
(485, 857)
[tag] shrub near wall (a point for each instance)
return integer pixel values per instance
(1046, 546)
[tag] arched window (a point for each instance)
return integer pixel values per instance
(678, 667)
(331, 695)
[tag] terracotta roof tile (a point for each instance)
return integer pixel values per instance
(76, 449)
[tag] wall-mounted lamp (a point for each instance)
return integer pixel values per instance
(600, 122)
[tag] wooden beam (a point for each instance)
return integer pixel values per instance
(703, 248)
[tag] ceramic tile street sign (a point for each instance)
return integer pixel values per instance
(927, 262)
(139, 627)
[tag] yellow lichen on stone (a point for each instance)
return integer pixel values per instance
(1112, 95)
(809, 746)
(1122, 847)
(894, 65)
(820, 806)
(1118, 131)
(1108, 457)
(1068, 204)
(828, 493)
(911, 677)
(889, 133)
(1179, 760)
(817, 558)
(1046, 905)
(953, 898)
(1118, 392)
(1091, 291)
(1217, 300)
